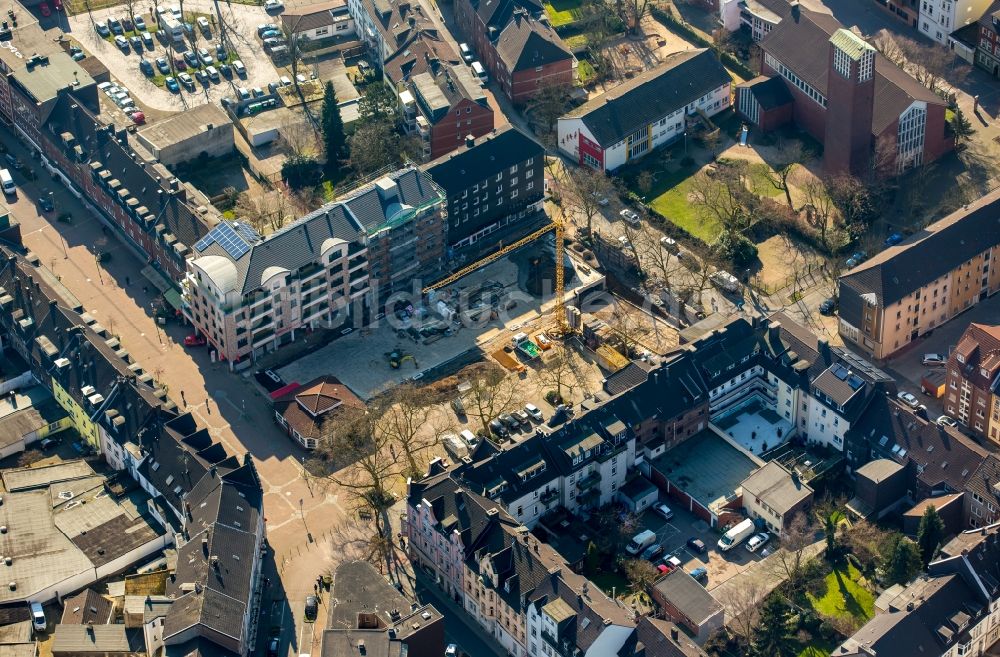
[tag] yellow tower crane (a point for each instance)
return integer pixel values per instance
(557, 226)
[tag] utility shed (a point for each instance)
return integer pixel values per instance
(186, 136)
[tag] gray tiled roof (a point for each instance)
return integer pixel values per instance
(526, 43)
(490, 155)
(688, 596)
(679, 80)
(769, 92)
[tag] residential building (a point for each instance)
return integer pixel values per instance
(87, 607)
(905, 291)
(881, 112)
(987, 40)
(303, 410)
(879, 488)
(200, 132)
(368, 615)
(388, 27)
(443, 107)
(775, 496)
(973, 371)
(982, 494)
(320, 20)
(949, 507)
(515, 43)
(97, 641)
(685, 601)
(653, 109)
(248, 295)
(492, 184)
(950, 611)
(759, 17)
(27, 417)
(939, 18)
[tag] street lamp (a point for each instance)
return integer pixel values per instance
(685, 143)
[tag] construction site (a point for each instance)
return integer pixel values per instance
(468, 318)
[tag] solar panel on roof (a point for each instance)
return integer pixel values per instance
(840, 371)
(856, 382)
(235, 238)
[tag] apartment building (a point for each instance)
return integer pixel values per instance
(905, 291)
(984, 42)
(493, 184)
(774, 496)
(387, 26)
(248, 295)
(443, 107)
(846, 96)
(950, 611)
(515, 43)
(759, 17)
(939, 18)
(973, 370)
(650, 110)
(322, 20)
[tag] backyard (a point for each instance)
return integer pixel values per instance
(845, 596)
(562, 12)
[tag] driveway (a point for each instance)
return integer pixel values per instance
(241, 36)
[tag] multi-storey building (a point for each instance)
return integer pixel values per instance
(321, 20)
(516, 45)
(387, 25)
(759, 17)
(247, 294)
(492, 185)
(986, 42)
(905, 291)
(973, 370)
(939, 18)
(832, 96)
(646, 112)
(443, 107)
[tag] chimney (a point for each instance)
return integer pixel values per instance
(470, 141)
(674, 634)
(773, 330)
(824, 350)
(796, 13)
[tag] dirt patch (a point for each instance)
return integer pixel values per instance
(783, 259)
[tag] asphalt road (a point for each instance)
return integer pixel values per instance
(459, 628)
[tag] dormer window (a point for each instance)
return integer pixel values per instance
(960, 358)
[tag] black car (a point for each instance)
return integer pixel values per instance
(45, 203)
(697, 545)
(508, 421)
(498, 429)
(828, 306)
(312, 607)
(273, 646)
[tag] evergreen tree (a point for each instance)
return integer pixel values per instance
(904, 564)
(333, 128)
(929, 535)
(961, 126)
(774, 633)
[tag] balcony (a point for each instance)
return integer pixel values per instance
(356, 262)
(548, 496)
(589, 481)
(259, 312)
(262, 338)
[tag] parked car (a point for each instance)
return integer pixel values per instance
(856, 259)
(205, 56)
(271, 42)
(757, 540)
(312, 607)
(498, 429)
(226, 70)
(273, 6)
(629, 216)
(285, 81)
(893, 239)
(102, 29)
(697, 545)
(724, 280)
(273, 646)
(240, 69)
(451, 650)
(140, 23)
(203, 24)
(115, 26)
(138, 117)
(623, 242)
(175, 11)
(700, 573)
(523, 418)
(147, 40)
(668, 243)
(38, 620)
(201, 76)
(257, 92)
(220, 52)
(243, 93)
(146, 67)
(664, 511)
(172, 84)
(45, 202)
(934, 360)
(908, 398)
(44, 9)
(945, 421)
(48, 443)
(264, 27)
(213, 73)
(653, 551)
(127, 24)
(508, 421)
(828, 306)
(191, 59)
(162, 65)
(194, 340)
(186, 80)
(270, 34)
(122, 43)
(534, 412)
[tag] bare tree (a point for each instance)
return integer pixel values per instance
(788, 560)
(743, 604)
(819, 209)
(640, 574)
(628, 324)
(725, 196)
(561, 372)
(885, 43)
(789, 156)
(585, 191)
(491, 393)
(409, 421)
(659, 260)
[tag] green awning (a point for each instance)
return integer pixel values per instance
(173, 297)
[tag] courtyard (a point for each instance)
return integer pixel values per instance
(754, 427)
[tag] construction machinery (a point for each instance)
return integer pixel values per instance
(398, 357)
(557, 226)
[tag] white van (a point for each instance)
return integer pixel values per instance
(469, 438)
(7, 182)
(38, 617)
(480, 72)
(466, 52)
(736, 535)
(641, 541)
(725, 280)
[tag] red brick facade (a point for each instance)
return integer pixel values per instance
(524, 84)
(466, 117)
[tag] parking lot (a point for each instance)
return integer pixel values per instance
(674, 534)
(240, 42)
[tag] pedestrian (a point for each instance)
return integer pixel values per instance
(128, 281)
(145, 289)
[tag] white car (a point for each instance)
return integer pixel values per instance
(909, 399)
(725, 280)
(533, 411)
(934, 360)
(451, 650)
(285, 81)
(945, 421)
(629, 216)
(668, 243)
(273, 5)
(38, 620)
(623, 242)
(240, 69)
(203, 23)
(757, 540)
(664, 511)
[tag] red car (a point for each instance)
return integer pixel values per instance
(194, 341)
(139, 118)
(57, 4)
(44, 8)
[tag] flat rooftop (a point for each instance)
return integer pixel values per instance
(189, 124)
(707, 467)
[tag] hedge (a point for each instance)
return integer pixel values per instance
(685, 31)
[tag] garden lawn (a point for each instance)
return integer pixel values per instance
(669, 197)
(817, 648)
(844, 596)
(562, 12)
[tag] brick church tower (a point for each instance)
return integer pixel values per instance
(850, 94)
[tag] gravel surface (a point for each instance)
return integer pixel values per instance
(241, 21)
